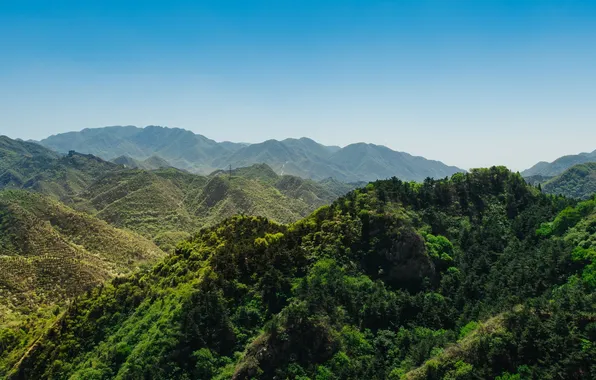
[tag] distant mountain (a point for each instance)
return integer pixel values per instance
(181, 148)
(559, 165)
(371, 161)
(301, 157)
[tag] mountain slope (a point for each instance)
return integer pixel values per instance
(168, 204)
(300, 157)
(579, 181)
(151, 163)
(373, 286)
(369, 162)
(49, 252)
(559, 165)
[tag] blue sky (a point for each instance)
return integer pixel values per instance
(471, 83)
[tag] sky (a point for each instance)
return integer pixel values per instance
(470, 83)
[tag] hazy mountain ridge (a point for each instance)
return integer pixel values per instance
(302, 157)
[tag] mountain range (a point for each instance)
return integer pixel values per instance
(164, 204)
(70, 222)
(300, 157)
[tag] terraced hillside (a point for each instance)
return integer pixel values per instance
(478, 276)
(50, 253)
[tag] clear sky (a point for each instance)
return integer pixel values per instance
(471, 83)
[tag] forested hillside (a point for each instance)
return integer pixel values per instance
(300, 157)
(477, 276)
(29, 166)
(579, 181)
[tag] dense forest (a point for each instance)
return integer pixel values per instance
(476, 276)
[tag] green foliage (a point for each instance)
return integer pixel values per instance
(468, 328)
(50, 254)
(578, 181)
(566, 219)
(445, 279)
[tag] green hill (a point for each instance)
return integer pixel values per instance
(50, 253)
(300, 157)
(579, 181)
(551, 169)
(168, 204)
(477, 276)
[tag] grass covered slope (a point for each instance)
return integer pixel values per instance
(151, 163)
(168, 204)
(477, 276)
(50, 253)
